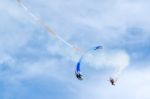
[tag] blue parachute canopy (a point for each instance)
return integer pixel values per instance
(77, 69)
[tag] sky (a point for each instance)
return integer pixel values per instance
(35, 65)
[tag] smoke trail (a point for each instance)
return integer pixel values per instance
(45, 25)
(116, 59)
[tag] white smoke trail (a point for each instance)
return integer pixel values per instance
(45, 25)
(116, 59)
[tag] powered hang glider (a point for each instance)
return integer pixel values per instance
(45, 25)
(77, 69)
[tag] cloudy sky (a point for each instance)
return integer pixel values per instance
(35, 65)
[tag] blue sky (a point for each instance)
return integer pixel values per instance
(35, 65)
